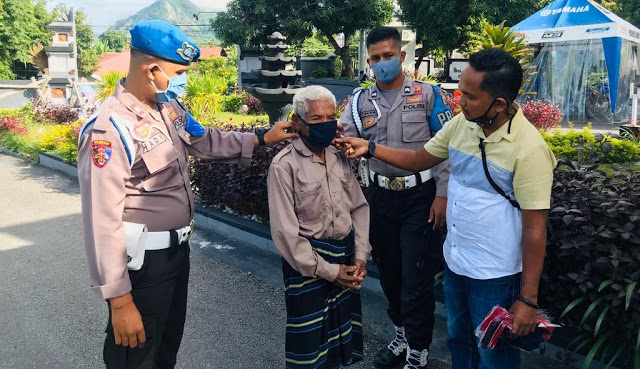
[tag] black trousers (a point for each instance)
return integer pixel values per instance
(408, 253)
(159, 291)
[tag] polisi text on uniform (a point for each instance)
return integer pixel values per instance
(414, 107)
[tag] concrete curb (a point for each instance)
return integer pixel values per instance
(55, 163)
(258, 234)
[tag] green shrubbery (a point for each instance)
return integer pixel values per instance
(592, 269)
(231, 103)
(589, 148)
(62, 140)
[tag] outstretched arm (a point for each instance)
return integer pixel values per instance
(412, 160)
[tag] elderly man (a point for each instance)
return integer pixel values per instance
(137, 202)
(320, 225)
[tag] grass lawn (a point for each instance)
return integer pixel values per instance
(238, 119)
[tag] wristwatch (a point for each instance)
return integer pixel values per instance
(260, 132)
(372, 150)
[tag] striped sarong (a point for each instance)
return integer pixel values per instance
(324, 321)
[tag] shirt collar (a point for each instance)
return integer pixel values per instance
(131, 102)
(502, 132)
(300, 146)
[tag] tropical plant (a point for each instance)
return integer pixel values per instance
(592, 269)
(107, 85)
(39, 57)
(101, 47)
(503, 38)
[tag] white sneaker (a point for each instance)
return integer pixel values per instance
(399, 343)
(417, 359)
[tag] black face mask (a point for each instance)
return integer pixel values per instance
(484, 120)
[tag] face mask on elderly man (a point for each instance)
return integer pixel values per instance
(320, 134)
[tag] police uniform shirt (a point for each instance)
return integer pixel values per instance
(315, 199)
(402, 123)
(132, 166)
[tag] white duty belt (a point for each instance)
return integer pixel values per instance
(400, 183)
(139, 240)
(162, 240)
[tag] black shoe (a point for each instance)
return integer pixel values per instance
(386, 359)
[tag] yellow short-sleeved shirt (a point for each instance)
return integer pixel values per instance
(484, 229)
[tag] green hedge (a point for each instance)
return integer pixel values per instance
(596, 148)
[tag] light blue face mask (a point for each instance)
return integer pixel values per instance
(387, 70)
(176, 86)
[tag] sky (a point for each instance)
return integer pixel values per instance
(103, 13)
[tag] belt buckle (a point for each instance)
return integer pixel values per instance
(396, 183)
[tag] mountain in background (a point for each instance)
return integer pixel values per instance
(178, 12)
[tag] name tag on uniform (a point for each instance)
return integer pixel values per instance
(413, 107)
(175, 118)
(153, 142)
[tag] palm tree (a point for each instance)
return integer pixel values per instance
(502, 37)
(108, 83)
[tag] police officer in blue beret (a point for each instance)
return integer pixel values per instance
(137, 201)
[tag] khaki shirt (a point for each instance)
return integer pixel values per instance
(401, 124)
(309, 198)
(145, 181)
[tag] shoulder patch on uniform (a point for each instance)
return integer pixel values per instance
(356, 90)
(101, 152)
(282, 153)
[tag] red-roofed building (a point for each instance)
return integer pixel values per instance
(119, 62)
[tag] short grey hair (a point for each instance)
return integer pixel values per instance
(310, 93)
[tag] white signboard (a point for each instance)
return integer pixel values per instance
(456, 68)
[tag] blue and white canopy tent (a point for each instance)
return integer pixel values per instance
(586, 59)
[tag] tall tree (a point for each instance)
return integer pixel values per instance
(629, 10)
(115, 40)
(23, 26)
(88, 55)
(452, 22)
(296, 20)
(331, 17)
(249, 22)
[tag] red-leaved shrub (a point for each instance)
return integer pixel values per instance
(60, 114)
(452, 103)
(12, 124)
(542, 114)
(241, 188)
(254, 105)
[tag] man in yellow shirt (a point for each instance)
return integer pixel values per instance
(499, 199)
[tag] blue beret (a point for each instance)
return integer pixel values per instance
(165, 41)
